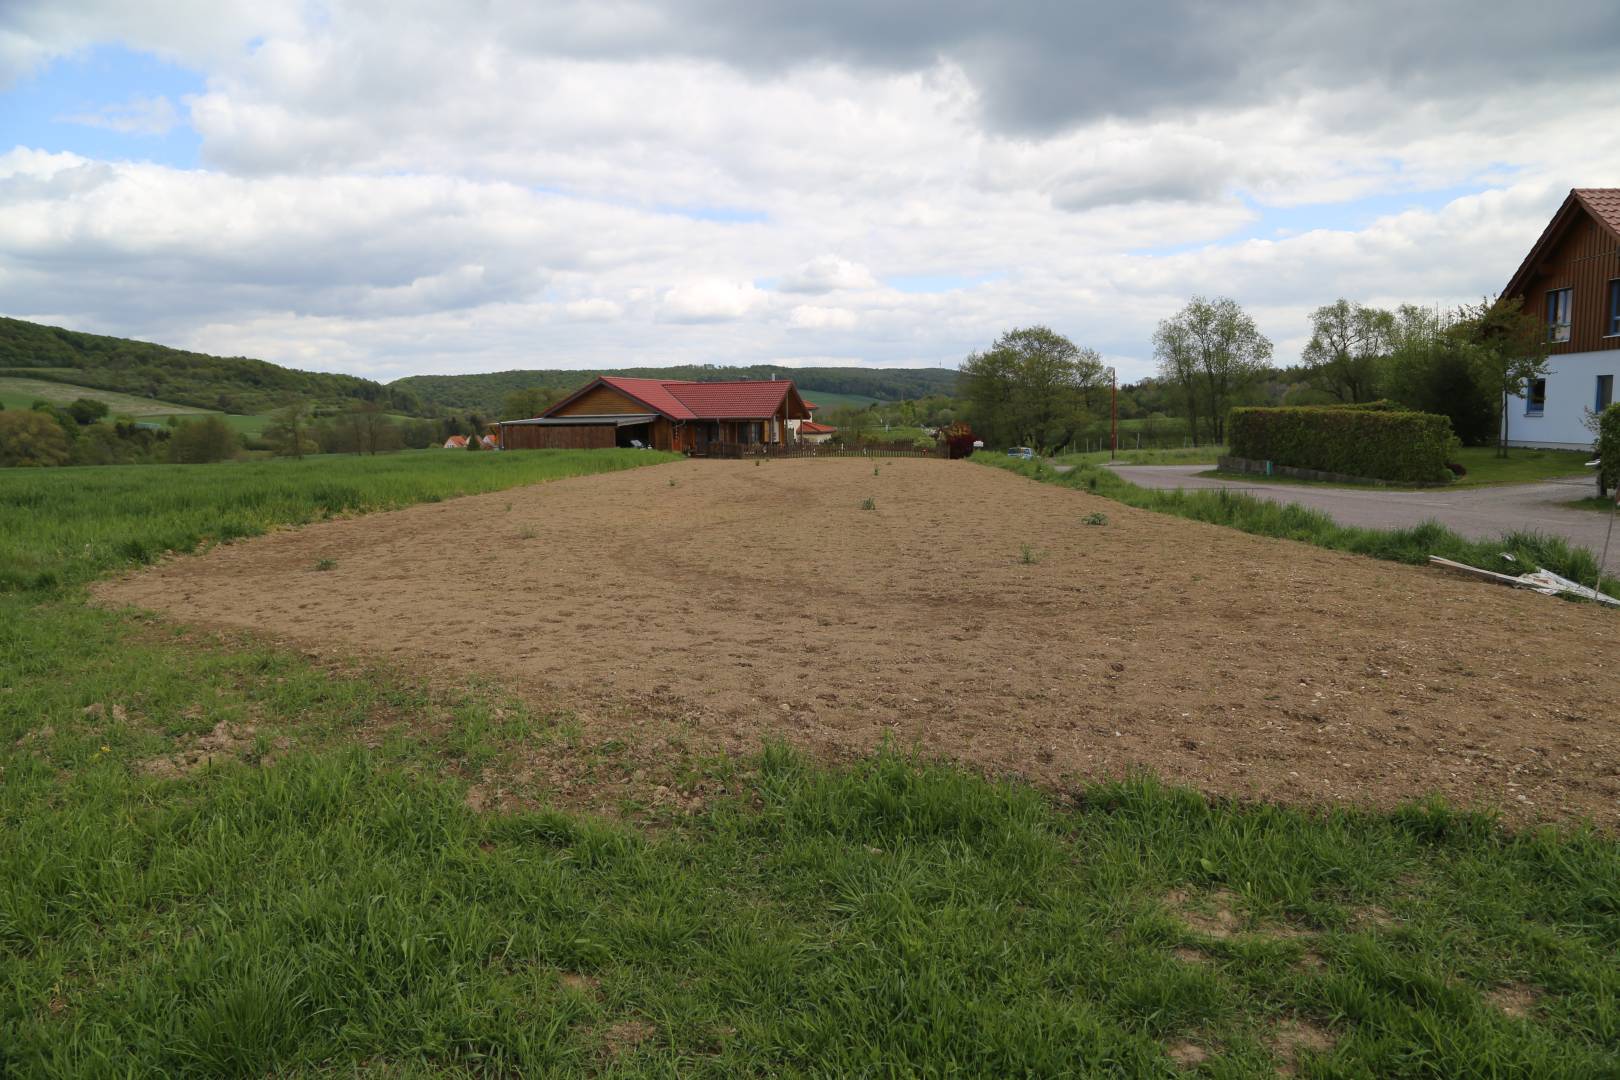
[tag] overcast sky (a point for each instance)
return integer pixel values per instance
(380, 188)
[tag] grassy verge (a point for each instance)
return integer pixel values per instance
(66, 526)
(221, 859)
(1292, 521)
(1199, 455)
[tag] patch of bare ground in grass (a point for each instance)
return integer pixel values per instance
(624, 1036)
(1186, 1054)
(1212, 914)
(1514, 1000)
(225, 742)
(1290, 1041)
(1241, 666)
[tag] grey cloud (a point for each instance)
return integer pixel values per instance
(1042, 67)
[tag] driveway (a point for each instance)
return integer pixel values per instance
(1479, 513)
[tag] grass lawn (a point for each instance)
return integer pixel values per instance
(1201, 455)
(224, 858)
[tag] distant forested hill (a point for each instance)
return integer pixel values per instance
(484, 393)
(231, 384)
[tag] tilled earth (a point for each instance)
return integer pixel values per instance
(970, 612)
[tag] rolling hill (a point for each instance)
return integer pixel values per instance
(142, 369)
(485, 392)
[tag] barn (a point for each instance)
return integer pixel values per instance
(686, 417)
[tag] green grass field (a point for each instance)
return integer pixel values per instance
(826, 401)
(310, 893)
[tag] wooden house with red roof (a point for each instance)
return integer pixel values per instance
(686, 417)
(1571, 278)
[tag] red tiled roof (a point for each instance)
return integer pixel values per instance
(654, 393)
(1602, 203)
(755, 399)
(455, 440)
(812, 406)
(810, 427)
(744, 399)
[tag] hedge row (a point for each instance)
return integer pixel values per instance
(1407, 447)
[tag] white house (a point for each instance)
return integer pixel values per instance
(1572, 277)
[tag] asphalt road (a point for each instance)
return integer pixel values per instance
(1478, 513)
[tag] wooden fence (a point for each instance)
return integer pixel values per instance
(802, 450)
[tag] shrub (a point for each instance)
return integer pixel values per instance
(1608, 446)
(32, 438)
(1372, 442)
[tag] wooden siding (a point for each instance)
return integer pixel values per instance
(561, 437)
(600, 400)
(1585, 259)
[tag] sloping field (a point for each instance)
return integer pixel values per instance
(17, 392)
(969, 611)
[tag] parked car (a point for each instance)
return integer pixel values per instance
(1021, 452)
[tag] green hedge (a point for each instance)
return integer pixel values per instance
(1408, 447)
(1608, 445)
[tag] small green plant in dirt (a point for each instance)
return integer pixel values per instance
(875, 470)
(1096, 517)
(326, 564)
(1028, 555)
(868, 504)
(756, 463)
(673, 482)
(527, 534)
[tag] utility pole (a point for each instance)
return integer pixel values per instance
(1113, 413)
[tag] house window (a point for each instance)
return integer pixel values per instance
(1605, 392)
(1536, 402)
(1614, 309)
(1558, 302)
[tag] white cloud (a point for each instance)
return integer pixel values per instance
(709, 300)
(387, 190)
(137, 116)
(828, 273)
(812, 317)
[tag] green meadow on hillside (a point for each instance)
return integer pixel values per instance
(227, 858)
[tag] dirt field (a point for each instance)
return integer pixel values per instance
(741, 601)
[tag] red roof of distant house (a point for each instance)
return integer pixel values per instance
(456, 442)
(654, 393)
(810, 427)
(745, 399)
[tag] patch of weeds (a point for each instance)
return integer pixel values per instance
(1028, 556)
(527, 534)
(326, 564)
(868, 504)
(1096, 517)
(875, 470)
(674, 482)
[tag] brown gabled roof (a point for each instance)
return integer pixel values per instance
(742, 399)
(1602, 205)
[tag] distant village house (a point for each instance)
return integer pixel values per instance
(686, 417)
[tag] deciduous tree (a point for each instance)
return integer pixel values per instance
(1212, 346)
(1033, 387)
(1348, 347)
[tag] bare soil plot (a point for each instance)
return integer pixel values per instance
(743, 601)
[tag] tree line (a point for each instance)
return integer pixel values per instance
(1034, 387)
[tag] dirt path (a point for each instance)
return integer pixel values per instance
(1479, 513)
(727, 602)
